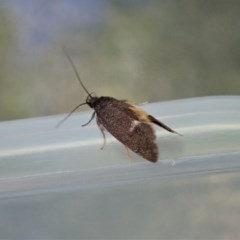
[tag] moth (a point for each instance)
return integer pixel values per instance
(129, 124)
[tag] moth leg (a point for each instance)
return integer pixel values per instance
(101, 127)
(157, 122)
(92, 117)
(128, 153)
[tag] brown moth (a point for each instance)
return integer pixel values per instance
(127, 123)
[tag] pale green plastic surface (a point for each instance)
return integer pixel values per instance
(57, 183)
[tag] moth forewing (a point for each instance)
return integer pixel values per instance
(126, 126)
(142, 141)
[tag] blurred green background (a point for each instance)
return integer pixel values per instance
(131, 49)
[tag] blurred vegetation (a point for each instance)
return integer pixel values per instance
(136, 50)
(7, 88)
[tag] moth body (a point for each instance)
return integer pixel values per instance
(127, 123)
(119, 118)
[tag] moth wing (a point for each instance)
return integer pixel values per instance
(135, 112)
(141, 140)
(142, 116)
(160, 124)
(120, 119)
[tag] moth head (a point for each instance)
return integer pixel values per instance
(91, 100)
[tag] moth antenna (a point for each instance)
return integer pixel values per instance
(75, 70)
(65, 118)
